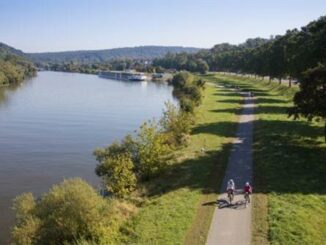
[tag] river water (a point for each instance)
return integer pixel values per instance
(50, 125)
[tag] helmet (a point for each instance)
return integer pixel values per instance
(247, 183)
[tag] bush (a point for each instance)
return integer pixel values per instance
(186, 105)
(194, 94)
(118, 174)
(188, 91)
(181, 80)
(70, 211)
(127, 146)
(176, 125)
(154, 151)
(3, 78)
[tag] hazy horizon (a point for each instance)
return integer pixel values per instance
(59, 26)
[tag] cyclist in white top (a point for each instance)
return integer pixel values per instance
(230, 186)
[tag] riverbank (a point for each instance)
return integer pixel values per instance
(289, 169)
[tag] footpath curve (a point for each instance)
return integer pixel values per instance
(231, 224)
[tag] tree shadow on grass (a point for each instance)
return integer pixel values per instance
(218, 128)
(257, 101)
(291, 157)
(261, 110)
(205, 173)
(270, 101)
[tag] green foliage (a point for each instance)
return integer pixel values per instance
(118, 174)
(70, 211)
(187, 105)
(154, 151)
(188, 90)
(127, 146)
(3, 78)
(176, 125)
(14, 69)
(202, 66)
(310, 101)
(279, 57)
(28, 224)
(142, 157)
(183, 61)
(182, 79)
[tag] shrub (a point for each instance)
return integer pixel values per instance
(181, 80)
(188, 91)
(127, 146)
(154, 151)
(70, 211)
(176, 124)
(118, 174)
(187, 105)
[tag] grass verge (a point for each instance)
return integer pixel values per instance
(180, 204)
(289, 169)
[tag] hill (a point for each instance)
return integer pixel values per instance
(14, 65)
(98, 56)
(8, 50)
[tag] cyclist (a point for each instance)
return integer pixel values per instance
(247, 190)
(230, 189)
(231, 186)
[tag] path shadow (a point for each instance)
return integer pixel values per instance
(222, 203)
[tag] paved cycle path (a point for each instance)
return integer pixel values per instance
(231, 224)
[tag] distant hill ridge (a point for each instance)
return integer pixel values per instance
(92, 56)
(8, 50)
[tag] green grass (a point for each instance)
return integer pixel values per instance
(180, 204)
(289, 169)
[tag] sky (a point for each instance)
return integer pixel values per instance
(61, 25)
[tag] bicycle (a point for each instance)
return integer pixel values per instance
(230, 196)
(247, 198)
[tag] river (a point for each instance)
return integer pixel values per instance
(50, 125)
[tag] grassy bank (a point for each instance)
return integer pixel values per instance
(181, 203)
(289, 169)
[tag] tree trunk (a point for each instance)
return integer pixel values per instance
(290, 82)
(325, 130)
(279, 81)
(269, 80)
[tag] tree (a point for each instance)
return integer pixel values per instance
(181, 80)
(176, 124)
(117, 172)
(202, 66)
(70, 211)
(26, 230)
(3, 78)
(154, 151)
(310, 101)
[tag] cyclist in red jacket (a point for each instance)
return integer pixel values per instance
(247, 189)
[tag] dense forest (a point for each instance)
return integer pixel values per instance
(14, 66)
(100, 56)
(283, 56)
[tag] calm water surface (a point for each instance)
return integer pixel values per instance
(50, 125)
